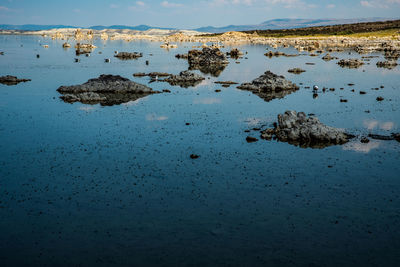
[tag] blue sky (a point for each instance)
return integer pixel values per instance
(186, 14)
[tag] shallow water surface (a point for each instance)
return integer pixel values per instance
(115, 186)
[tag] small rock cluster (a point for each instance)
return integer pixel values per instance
(350, 63)
(128, 55)
(185, 79)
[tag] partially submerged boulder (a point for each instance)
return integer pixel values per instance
(389, 64)
(106, 90)
(128, 55)
(270, 86)
(298, 129)
(185, 79)
(12, 80)
(208, 60)
(350, 63)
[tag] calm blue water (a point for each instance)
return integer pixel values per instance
(114, 186)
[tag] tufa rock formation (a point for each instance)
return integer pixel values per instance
(106, 90)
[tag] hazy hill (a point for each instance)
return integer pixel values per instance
(278, 24)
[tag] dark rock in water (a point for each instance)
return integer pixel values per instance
(379, 98)
(393, 136)
(298, 129)
(381, 137)
(278, 54)
(389, 64)
(296, 70)
(183, 56)
(328, 57)
(106, 89)
(235, 53)
(270, 86)
(12, 80)
(208, 60)
(158, 74)
(343, 100)
(364, 140)
(194, 156)
(396, 136)
(139, 74)
(362, 92)
(351, 63)
(185, 79)
(225, 82)
(251, 139)
(128, 55)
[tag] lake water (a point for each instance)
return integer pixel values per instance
(115, 186)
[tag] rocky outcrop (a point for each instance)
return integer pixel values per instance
(296, 70)
(298, 129)
(208, 60)
(12, 80)
(185, 79)
(389, 64)
(270, 86)
(351, 63)
(106, 90)
(128, 55)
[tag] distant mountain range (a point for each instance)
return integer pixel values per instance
(274, 24)
(279, 24)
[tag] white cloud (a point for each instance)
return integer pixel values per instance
(330, 6)
(114, 6)
(232, 2)
(379, 3)
(139, 5)
(168, 4)
(291, 4)
(3, 8)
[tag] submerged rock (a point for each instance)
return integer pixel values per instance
(185, 79)
(208, 60)
(270, 86)
(298, 129)
(12, 80)
(128, 55)
(389, 64)
(106, 90)
(350, 63)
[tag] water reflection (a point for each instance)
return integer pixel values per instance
(362, 147)
(207, 101)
